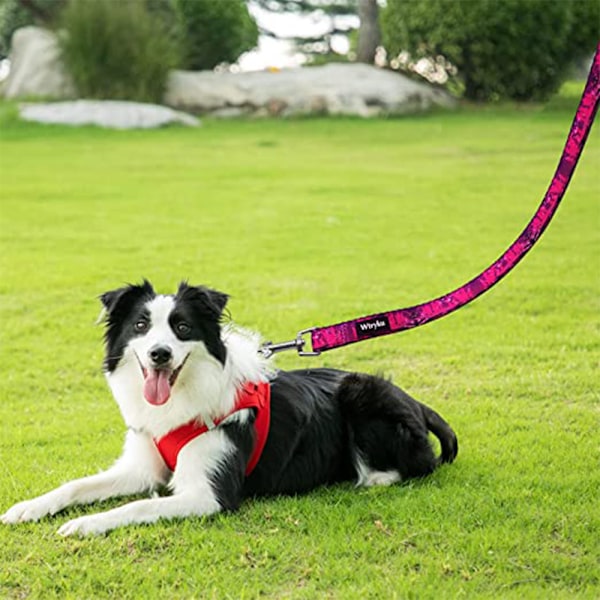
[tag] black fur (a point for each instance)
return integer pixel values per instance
(308, 439)
(124, 307)
(228, 481)
(320, 420)
(390, 429)
(202, 308)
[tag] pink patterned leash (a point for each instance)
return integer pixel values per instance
(362, 328)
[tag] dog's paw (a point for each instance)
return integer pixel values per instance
(29, 510)
(82, 526)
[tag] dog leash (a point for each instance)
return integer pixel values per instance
(363, 328)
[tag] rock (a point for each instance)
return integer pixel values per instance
(112, 114)
(186, 88)
(36, 68)
(333, 89)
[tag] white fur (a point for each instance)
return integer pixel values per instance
(205, 389)
(368, 477)
(140, 468)
(192, 492)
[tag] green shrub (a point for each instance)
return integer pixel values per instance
(12, 16)
(214, 31)
(118, 50)
(519, 49)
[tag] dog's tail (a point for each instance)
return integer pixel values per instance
(443, 432)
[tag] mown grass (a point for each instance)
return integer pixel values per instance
(304, 223)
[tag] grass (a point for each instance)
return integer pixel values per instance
(309, 222)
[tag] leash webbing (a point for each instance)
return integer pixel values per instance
(362, 328)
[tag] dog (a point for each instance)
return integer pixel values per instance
(211, 421)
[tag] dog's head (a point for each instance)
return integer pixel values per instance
(158, 334)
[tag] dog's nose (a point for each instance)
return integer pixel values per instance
(160, 355)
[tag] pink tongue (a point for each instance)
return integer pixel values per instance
(157, 389)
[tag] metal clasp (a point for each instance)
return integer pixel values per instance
(301, 341)
(268, 349)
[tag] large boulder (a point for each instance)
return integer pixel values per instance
(333, 89)
(112, 114)
(36, 68)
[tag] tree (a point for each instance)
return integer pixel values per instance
(214, 32)
(519, 49)
(369, 34)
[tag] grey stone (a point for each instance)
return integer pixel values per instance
(112, 114)
(36, 68)
(335, 89)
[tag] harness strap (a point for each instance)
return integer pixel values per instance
(362, 328)
(256, 396)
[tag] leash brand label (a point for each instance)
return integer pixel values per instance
(373, 326)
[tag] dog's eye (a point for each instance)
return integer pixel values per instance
(183, 328)
(141, 326)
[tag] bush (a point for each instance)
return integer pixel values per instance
(214, 31)
(117, 50)
(518, 49)
(12, 16)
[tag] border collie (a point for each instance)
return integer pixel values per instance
(208, 417)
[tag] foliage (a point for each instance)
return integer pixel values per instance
(201, 33)
(17, 13)
(519, 49)
(117, 50)
(12, 17)
(306, 223)
(214, 32)
(585, 28)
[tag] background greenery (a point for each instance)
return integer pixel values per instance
(496, 49)
(484, 49)
(308, 222)
(214, 32)
(125, 49)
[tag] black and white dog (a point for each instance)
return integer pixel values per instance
(208, 416)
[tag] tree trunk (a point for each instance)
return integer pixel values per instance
(369, 34)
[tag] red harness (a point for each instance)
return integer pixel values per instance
(253, 395)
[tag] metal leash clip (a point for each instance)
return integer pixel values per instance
(268, 348)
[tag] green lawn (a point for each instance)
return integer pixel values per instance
(308, 222)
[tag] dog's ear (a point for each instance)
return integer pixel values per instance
(218, 299)
(111, 299)
(211, 301)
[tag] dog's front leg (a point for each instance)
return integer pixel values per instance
(139, 469)
(201, 464)
(144, 511)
